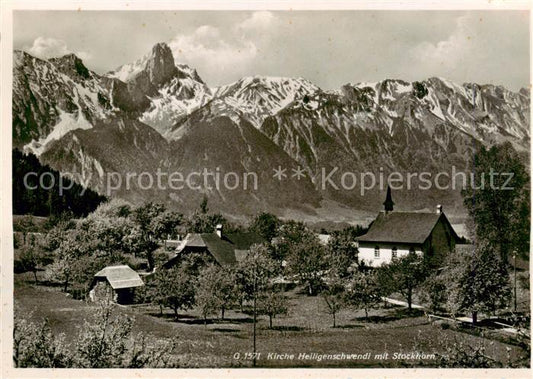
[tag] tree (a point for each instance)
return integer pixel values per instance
(403, 275)
(306, 260)
(154, 223)
(342, 252)
(303, 253)
(203, 205)
(175, 288)
(272, 304)
(114, 208)
(201, 221)
(434, 292)
(290, 234)
(498, 204)
(266, 225)
(206, 301)
(35, 346)
(82, 251)
(25, 225)
(225, 290)
(61, 269)
(57, 234)
(218, 289)
(108, 235)
(483, 285)
(165, 224)
(31, 198)
(105, 340)
(334, 297)
(32, 256)
(103, 343)
(363, 290)
(257, 268)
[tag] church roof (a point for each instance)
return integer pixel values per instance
(403, 227)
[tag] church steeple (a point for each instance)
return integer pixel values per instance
(389, 204)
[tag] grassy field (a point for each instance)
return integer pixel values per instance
(306, 329)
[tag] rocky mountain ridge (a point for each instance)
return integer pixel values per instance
(156, 114)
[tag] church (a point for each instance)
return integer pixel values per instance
(395, 234)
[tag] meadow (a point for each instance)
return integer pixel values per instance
(307, 328)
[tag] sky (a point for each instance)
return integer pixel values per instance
(329, 48)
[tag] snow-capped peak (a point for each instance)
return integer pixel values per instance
(129, 70)
(261, 96)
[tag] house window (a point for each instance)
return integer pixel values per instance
(394, 252)
(411, 250)
(376, 252)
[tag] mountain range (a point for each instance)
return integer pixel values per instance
(155, 114)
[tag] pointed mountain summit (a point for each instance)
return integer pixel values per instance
(171, 90)
(158, 65)
(150, 72)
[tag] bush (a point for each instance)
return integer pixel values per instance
(461, 355)
(105, 341)
(34, 345)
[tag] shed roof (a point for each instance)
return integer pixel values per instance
(403, 227)
(120, 277)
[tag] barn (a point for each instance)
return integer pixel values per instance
(116, 283)
(395, 234)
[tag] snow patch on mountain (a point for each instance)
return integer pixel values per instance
(177, 99)
(130, 70)
(68, 122)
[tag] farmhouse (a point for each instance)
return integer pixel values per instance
(116, 283)
(223, 248)
(396, 234)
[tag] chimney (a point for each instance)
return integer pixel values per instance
(439, 209)
(219, 230)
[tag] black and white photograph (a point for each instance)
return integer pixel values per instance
(266, 188)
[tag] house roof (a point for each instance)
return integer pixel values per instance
(240, 254)
(403, 227)
(228, 250)
(243, 240)
(194, 240)
(221, 249)
(120, 277)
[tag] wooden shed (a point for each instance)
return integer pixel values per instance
(117, 283)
